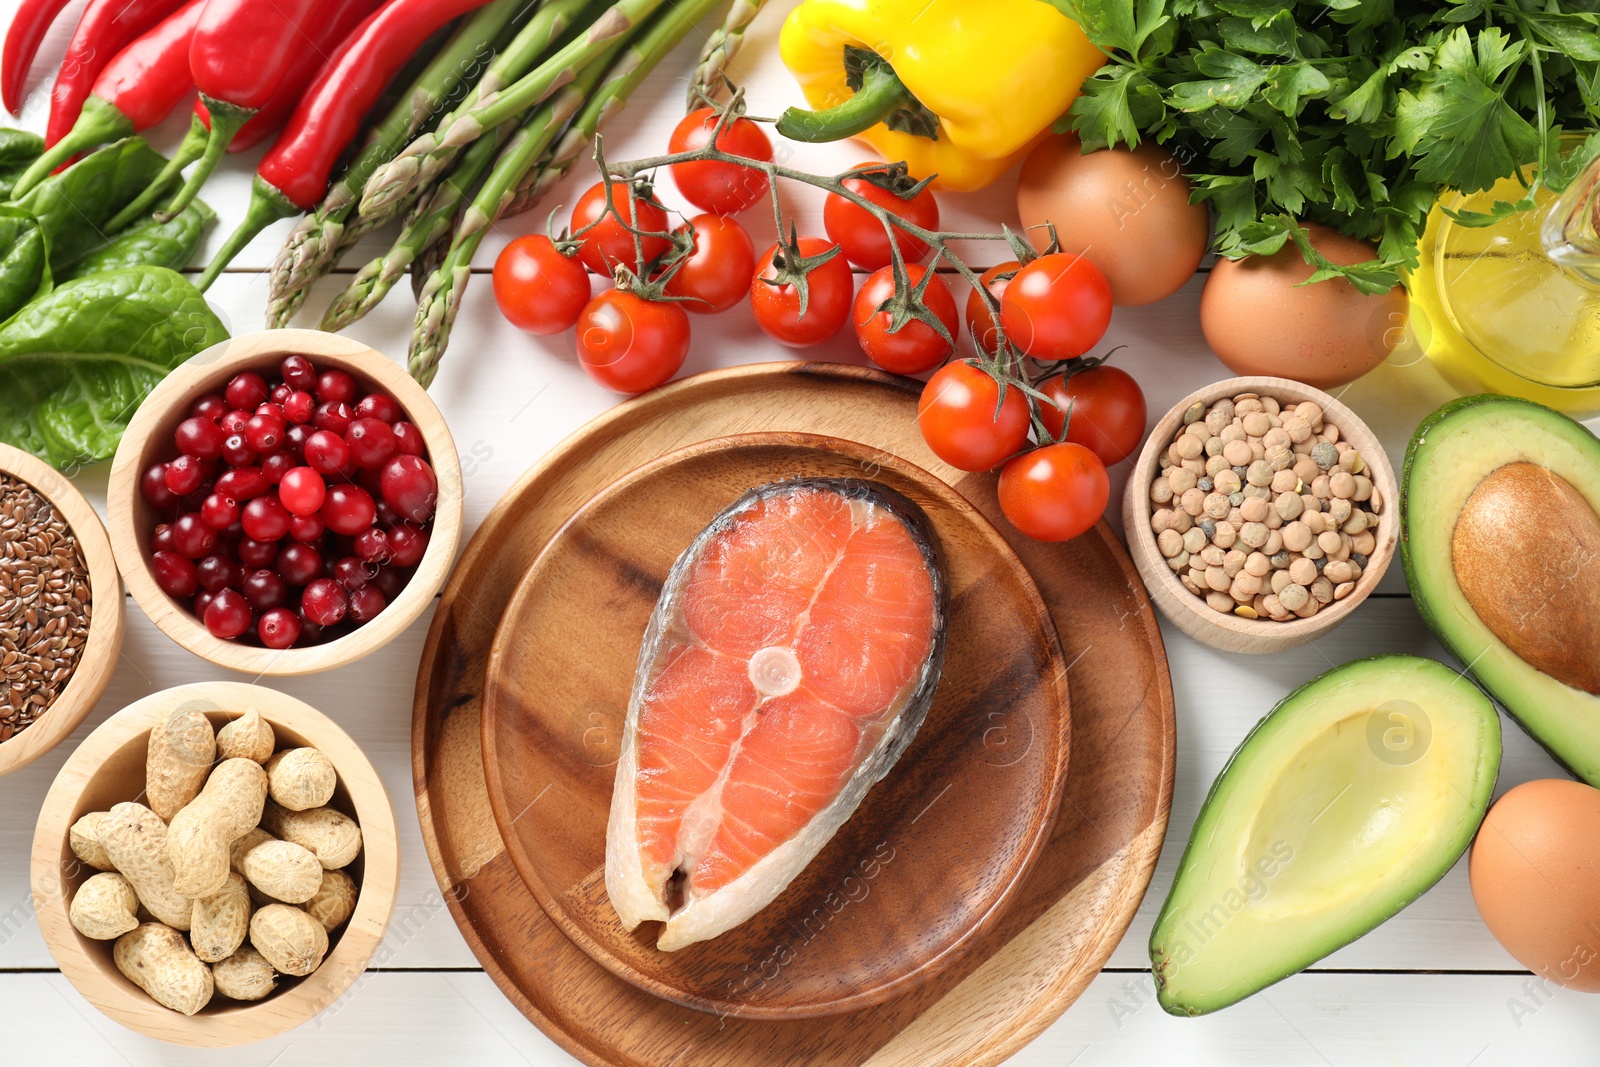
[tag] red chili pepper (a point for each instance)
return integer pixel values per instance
(28, 27)
(240, 54)
(136, 90)
(106, 28)
(294, 175)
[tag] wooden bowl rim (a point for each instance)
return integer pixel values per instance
(212, 368)
(1003, 896)
(103, 646)
(1191, 613)
(96, 977)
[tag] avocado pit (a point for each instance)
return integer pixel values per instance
(1524, 551)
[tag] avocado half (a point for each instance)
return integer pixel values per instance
(1540, 549)
(1344, 804)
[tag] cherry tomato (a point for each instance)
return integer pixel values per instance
(721, 188)
(958, 419)
(863, 238)
(716, 276)
(539, 289)
(1107, 411)
(980, 320)
(916, 346)
(631, 344)
(611, 243)
(830, 288)
(1057, 307)
(1056, 492)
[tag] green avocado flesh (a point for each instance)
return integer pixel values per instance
(1452, 452)
(1353, 796)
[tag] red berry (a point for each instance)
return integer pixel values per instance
(236, 451)
(298, 372)
(336, 385)
(372, 545)
(192, 537)
(324, 602)
(184, 475)
(175, 574)
(216, 573)
(348, 509)
(233, 421)
(246, 391)
(279, 394)
(243, 483)
(253, 553)
(153, 487)
(365, 603)
(352, 573)
(277, 465)
(326, 453)
(408, 440)
(265, 519)
(202, 600)
(332, 415)
(219, 512)
(299, 406)
(299, 563)
(198, 436)
(409, 486)
(211, 406)
(306, 528)
(302, 491)
(371, 442)
(295, 438)
(228, 615)
(407, 545)
(390, 581)
(265, 589)
(278, 628)
(161, 538)
(379, 406)
(265, 431)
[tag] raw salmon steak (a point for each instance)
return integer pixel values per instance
(790, 660)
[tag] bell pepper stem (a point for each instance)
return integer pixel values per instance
(267, 205)
(880, 95)
(190, 149)
(101, 122)
(226, 120)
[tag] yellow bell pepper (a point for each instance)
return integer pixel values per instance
(985, 77)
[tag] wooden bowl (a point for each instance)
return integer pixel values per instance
(1190, 613)
(149, 439)
(104, 643)
(937, 851)
(108, 768)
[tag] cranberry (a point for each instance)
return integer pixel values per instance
(295, 438)
(352, 573)
(265, 519)
(243, 483)
(253, 553)
(277, 465)
(216, 573)
(279, 628)
(279, 394)
(391, 580)
(306, 528)
(199, 436)
(310, 632)
(372, 545)
(211, 406)
(299, 563)
(298, 372)
(161, 538)
(324, 602)
(233, 421)
(184, 475)
(378, 406)
(265, 431)
(202, 600)
(336, 385)
(371, 442)
(153, 487)
(302, 491)
(219, 512)
(408, 440)
(236, 451)
(326, 452)
(175, 574)
(409, 486)
(299, 406)
(407, 545)
(245, 391)
(265, 589)
(365, 603)
(370, 479)
(192, 537)
(332, 415)
(348, 509)
(228, 615)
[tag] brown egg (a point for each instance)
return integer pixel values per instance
(1535, 873)
(1259, 319)
(1126, 211)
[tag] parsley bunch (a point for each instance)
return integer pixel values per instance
(1353, 113)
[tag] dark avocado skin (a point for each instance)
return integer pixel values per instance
(1408, 562)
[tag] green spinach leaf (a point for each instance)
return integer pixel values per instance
(75, 364)
(18, 149)
(24, 260)
(149, 243)
(74, 206)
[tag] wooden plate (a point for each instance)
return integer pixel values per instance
(1020, 976)
(935, 852)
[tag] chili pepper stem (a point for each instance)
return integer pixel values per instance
(226, 121)
(100, 123)
(881, 94)
(189, 149)
(267, 205)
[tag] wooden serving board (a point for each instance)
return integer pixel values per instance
(931, 858)
(1061, 927)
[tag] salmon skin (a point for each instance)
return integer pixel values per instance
(791, 658)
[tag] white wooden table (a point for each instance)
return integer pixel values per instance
(1429, 987)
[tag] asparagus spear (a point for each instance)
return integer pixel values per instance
(720, 48)
(427, 157)
(522, 159)
(319, 238)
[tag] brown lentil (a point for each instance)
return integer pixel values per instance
(44, 605)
